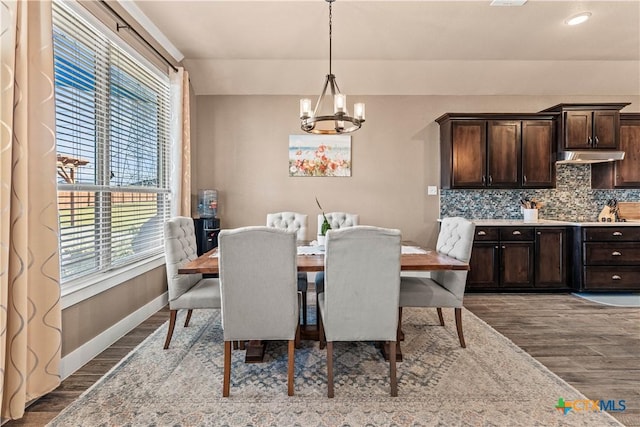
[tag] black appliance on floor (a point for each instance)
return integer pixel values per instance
(207, 230)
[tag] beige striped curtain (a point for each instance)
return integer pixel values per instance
(180, 144)
(30, 336)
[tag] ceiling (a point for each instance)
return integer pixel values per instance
(398, 47)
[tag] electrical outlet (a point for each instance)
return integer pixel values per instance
(432, 190)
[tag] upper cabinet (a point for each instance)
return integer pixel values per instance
(497, 150)
(622, 173)
(588, 126)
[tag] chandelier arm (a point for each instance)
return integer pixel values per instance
(322, 94)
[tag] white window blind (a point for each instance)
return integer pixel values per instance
(112, 136)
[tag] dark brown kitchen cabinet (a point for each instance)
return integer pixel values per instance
(513, 258)
(538, 153)
(588, 126)
(609, 259)
(621, 173)
(497, 151)
(551, 257)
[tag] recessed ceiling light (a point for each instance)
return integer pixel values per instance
(578, 19)
(507, 2)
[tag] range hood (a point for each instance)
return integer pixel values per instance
(582, 157)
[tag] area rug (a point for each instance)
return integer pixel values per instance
(490, 383)
(618, 299)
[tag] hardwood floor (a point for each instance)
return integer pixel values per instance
(593, 347)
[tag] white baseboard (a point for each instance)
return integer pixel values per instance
(83, 354)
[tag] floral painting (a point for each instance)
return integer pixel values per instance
(319, 155)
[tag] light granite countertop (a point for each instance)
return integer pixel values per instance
(549, 223)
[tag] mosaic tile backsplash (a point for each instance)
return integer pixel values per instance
(571, 200)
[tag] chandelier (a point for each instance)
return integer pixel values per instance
(340, 121)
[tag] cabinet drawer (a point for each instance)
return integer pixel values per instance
(611, 234)
(623, 253)
(516, 233)
(487, 233)
(602, 278)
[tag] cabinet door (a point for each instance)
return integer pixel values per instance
(469, 154)
(606, 126)
(503, 151)
(577, 129)
(538, 154)
(484, 266)
(551, 258)
(627, 171)
(517, 264)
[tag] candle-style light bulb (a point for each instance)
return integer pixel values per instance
(305, 108)
(340, 103)
(358, 111)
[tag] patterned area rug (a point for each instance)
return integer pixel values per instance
(491, 382)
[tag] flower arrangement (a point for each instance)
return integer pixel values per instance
(325, 223)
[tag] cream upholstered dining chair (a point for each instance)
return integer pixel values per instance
(337, 220)
(444, 288)
(258, 283)
(296, 222)
(360, 299)
(186, 291)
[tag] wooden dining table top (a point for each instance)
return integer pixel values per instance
(429, 261)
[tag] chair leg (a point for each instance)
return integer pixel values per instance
(172, 324)
(188, 319)
(304, 308)
(227, 369)
(298, 338)
(321, 337)
(399, 333)
(330, 369)
(440, 316)
(458, 312)
(292, 360)
(392, 369)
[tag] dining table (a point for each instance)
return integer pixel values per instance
(310, 258)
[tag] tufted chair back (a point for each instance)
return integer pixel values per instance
(289, 221)
(180, 248)
(338, 220)
(455, 240)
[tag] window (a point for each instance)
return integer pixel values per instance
(112, 138)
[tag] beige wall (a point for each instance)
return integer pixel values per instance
(86, 320)
(242, 150)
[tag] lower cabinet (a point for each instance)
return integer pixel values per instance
(518, 258)
(609, 259)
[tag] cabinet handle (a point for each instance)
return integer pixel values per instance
(497, 246)
(482, 233)
(617, 233)
(516, 233)
(589, 141)
(595, 141)
(616, 277)
(615, 253)
(539, 233)
(524, 178)
(490, 180)
(484, 179)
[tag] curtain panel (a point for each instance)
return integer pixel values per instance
(30, 314)
(180, 144)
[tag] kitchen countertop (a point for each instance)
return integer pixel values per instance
(550, 223)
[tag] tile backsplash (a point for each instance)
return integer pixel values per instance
(571, 200)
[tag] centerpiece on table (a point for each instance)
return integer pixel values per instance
(324, 227)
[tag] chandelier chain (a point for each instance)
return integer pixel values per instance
(330, 32)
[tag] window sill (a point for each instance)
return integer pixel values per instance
(84, 288)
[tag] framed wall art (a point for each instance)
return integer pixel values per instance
(319, 155)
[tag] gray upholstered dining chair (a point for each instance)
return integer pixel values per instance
(337, 220)
(444, 288)
(186, 291)
(258, 282)
(360, 299)
(296, 222)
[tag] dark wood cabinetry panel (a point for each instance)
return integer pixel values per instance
(469, 154)
(517, 264)
(538, 153)
(484, 266)
(622, 173)
(503, 149)
(578, 129)
(606, 129)
(551, 258)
